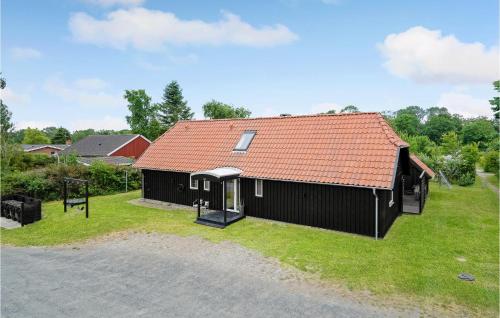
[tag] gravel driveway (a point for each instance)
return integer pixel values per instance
(152, 275)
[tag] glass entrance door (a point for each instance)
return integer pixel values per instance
(232, 195)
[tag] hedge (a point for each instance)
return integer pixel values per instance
(47, 183)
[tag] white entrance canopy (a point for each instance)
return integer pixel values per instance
(217, 174)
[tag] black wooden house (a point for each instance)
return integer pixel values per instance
(342, 172)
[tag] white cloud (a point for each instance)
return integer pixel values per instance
(24, 53)
(324, 107)
(151, 30)
(12, 98)
(106, 122)
(111, 3)
(425, 55)
(40, 124)
(466, 105)
(83, 92)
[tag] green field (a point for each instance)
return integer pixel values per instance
(420, 257)
(493, 179)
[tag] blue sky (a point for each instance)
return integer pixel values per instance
(68, 62)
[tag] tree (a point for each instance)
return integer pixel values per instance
(420, 145)
(5, 121)
(450, 143)
(35, 136)
(3, 83)
(217, 110)
(331, 111)
(350, 109)
(479, 130)
(407, 123)
(80, 134)
(142, 119)
(495, 101)
(17, 136)
(173, 106)
(434, 111)
(50, 131)
(6, 125)
(61, 136)
(440, 122)
(418, 111)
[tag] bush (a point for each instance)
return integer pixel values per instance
(490, 162)
(15, 159)
(47, 183)
(460, 171)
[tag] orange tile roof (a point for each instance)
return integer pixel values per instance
(356, 149)
(422, 165)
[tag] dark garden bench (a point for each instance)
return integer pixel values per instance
(21, 208)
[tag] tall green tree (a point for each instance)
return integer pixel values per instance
(143, 115)
(218, 110)
(450, 143)
(407, 122)
(6, 125)
(3, 83)
(418, 111)
(35, 136)
(6, 122)
(440, 121)
(61, 136)
(479, 130)
(350, 109)
(173, 107)
(434, 111)
(17, 136)
(50, 131)
(495, 101)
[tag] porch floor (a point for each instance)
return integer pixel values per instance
(410, 205)
(216, 218)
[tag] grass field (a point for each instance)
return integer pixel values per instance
(493, 179)
(420, 257)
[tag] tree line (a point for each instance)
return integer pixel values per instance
(153, 119)
(433, 132)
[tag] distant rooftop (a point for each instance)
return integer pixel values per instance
(98, 145)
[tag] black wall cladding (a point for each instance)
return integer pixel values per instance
(347, 209)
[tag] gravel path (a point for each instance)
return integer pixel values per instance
(153, 275)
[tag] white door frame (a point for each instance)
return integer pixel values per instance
(236, 189)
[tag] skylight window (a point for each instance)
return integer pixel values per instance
(245, 140)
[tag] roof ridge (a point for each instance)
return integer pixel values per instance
(390, 133)
(281, 117)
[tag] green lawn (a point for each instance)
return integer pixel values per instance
(493, 179)
(417, 259)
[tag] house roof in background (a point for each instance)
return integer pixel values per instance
(358, 149)
(99, 145)
(116, 160)
(422, 165)
(29, 148)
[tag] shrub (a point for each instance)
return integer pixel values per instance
(490, 161)
(47, 183)
(459, 170)
(16, 159)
